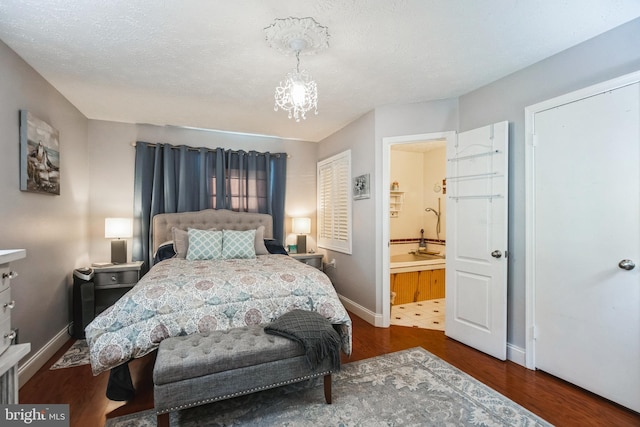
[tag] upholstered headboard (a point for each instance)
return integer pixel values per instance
(220, 219)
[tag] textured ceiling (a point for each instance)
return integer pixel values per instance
(206, 63)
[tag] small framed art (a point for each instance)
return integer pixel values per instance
(39, 155)
(361, 188)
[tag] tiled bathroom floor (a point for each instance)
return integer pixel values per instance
(422, 314)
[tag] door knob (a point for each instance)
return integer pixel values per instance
(496, 254)
(626, 264)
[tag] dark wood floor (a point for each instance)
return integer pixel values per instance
(556, 401)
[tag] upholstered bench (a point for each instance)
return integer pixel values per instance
(202, 368)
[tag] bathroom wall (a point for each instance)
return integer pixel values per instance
(435, 165)
(417, 174)
(407, 168)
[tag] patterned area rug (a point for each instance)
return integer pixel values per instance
(77, 355)
(408, 388)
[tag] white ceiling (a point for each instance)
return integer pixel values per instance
(206, 63)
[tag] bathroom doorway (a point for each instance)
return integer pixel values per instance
(417, 232)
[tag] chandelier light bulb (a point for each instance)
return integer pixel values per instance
(298, 93)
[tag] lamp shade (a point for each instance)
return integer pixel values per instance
(118, 228)
(302, 225)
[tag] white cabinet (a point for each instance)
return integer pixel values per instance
(10, 355)
(396, 199)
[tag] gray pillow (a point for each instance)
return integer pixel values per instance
(260, 247)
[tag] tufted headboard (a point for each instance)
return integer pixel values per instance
(221, 219)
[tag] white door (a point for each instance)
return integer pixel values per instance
(586, 223)
(476, 277)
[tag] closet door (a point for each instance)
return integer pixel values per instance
(586, 239)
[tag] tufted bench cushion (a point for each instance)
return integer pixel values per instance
(201, 368)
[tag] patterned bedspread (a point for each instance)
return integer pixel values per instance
(179, 297)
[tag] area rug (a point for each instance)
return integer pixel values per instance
(407, 388)
(76, 355)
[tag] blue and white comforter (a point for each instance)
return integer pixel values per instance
(179, 297)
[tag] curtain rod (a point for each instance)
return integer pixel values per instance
(151, 144)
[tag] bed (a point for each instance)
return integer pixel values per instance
(182, 296)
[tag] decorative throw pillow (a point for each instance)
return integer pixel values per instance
(260, 247)
(181, 241)
(204, 244)
(238, 244)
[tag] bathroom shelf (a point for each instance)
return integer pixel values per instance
(396, 200)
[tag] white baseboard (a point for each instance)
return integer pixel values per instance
(29, 368)
(362, 312)
(516, 354)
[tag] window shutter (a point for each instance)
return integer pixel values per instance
(334, 203)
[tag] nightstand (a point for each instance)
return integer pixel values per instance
(113, 281)
(314, 260)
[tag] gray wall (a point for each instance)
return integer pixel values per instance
(607, 56)
(357, 276)
(354, 274)
(53, 229)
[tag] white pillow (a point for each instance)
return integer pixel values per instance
(204, 244)
(238, 244)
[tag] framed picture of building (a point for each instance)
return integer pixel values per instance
(39, 155)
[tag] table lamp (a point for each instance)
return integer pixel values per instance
(118, 229)
(302, 227)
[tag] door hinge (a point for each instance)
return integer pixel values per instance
(534, 139)
(506, 254)
(534, 331)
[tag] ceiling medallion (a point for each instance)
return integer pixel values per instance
(298, 92)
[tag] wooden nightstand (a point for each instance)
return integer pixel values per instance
(113, 281)
(314, 260)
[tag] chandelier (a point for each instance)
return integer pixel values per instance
(298, 92)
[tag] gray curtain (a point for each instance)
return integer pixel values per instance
(171, 179)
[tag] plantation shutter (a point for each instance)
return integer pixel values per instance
(334, 203)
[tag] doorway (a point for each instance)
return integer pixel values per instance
(386, 183)
(418, 234)
(476, 252)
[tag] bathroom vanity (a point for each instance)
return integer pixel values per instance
(10, 354)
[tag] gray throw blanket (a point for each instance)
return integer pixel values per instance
(314, 332)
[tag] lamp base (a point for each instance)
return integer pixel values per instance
(119, 251)
(302, 244)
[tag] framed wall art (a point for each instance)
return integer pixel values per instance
(361, 189)
(39, 155)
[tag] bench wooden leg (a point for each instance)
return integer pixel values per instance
(163, 420)
(327, 389)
